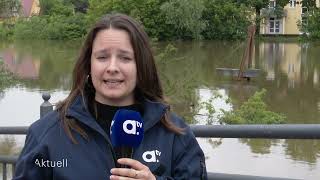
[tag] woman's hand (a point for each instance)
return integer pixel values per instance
(137, 171)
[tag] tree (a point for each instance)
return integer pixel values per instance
(56, 7)
(79, 5)
(309, 3)
(311, 25)
(9, 8)
(225, 20)
(185, 15)
(146, 11)
(257, 5)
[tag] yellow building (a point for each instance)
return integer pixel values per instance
(28, 9)
(288, 24)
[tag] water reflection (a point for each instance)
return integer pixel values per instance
(290, 74)
(25, 67)
(41, 64)
(306, 151)
(8, 145)
(259, 146)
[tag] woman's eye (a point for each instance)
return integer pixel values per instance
(126, 58)
(102, 57)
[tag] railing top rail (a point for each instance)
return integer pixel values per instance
(282, 131)
(272, 131)
(8, 159)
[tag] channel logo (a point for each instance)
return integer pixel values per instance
(131, 126)
(151, 156)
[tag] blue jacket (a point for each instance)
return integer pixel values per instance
(50, 154)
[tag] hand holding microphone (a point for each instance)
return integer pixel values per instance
(126, 131)
(137, 171)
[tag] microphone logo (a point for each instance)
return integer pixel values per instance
(130, 127)
(151, 156)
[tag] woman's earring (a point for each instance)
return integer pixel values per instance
(89, 81)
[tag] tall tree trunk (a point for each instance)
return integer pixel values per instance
(258, 20)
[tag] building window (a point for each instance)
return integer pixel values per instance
(292, 3)
(274, 26)
(272, 4)
(304, 10)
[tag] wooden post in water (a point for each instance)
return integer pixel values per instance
(247, 55)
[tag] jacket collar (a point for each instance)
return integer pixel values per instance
(153, 112)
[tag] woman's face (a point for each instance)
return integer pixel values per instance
(113, 68)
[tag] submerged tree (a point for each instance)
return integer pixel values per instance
(254, 111)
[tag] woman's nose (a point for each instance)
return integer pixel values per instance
(113, 66)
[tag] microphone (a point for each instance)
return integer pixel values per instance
(126, 130)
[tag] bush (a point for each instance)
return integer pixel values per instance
(254, 111)
(30, 28)
(51, 27)
(5, 31)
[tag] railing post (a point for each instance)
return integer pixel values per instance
(46, 106)
(4, 171)
(13, 168)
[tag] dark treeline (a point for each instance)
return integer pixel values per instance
(162, 19)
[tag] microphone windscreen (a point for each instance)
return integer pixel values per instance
(126, 129)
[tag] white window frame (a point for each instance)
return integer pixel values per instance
(304, 10)
(273, 29)
(292, 3)
(272, 4)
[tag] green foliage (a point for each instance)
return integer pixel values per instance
(32, 29)
(276, 12)
(180, 19)
(9, 8)
(146, 11)
(254, 111)
(178, 83)
(5, 32)
(256, 4)
(8, 145)
(311, 24)
(309, 4)
(51, 27)
(162, 19)
(56, 7)
(185, 16)
(207, 105)
(225, 20)
(282, 3)
(80, 5)
(7, 79)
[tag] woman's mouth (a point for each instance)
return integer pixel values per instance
(113, 82)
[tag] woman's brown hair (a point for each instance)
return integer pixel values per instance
(148, 83)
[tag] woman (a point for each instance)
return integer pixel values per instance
(115, 70)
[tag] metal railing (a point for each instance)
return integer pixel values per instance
(284, 131)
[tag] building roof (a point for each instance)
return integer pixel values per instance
(26, 7)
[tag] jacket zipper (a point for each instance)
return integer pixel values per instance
(114, 157)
